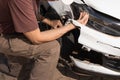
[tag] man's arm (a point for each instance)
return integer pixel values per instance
(36, 36)
(25, 22)
(52, 23)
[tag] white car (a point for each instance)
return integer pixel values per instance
(99, 40)
(101, 37)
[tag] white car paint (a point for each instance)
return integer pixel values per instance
(60, 7)
(67, 2)
(109, 7)
(93, 39)
(94, 67)
(98, 41)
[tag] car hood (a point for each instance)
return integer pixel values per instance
(109, 7)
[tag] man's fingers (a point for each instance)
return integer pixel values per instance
(82, 14)
(60, 24)
(84, 18)
(57, 24)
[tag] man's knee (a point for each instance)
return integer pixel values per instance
(54, 48)
(47, 49)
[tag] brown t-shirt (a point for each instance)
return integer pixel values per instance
(18, 16)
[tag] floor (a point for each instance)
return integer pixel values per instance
(63, 74)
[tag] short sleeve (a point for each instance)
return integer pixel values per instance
(23, 15)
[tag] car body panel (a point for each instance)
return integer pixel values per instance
(94, 67)
(99, 41)
(109, 7)
(93, 39)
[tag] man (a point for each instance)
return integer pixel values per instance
(20, 36)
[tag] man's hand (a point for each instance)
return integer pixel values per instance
(55, 24)
(83, 19)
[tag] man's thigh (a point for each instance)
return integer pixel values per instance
(22, 47)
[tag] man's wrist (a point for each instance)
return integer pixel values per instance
(74, 22)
